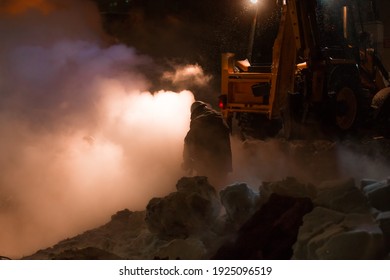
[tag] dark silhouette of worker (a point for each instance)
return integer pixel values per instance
(207, 148)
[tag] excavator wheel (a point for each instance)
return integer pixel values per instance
(346, 108)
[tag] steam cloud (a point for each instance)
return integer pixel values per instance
(81, 136)
(187, 73)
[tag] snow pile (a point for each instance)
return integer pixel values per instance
(181, 225)
(190, 210)
(378, 194)
(333, 235)
(240, 202)
(342, 225)
(286, 220)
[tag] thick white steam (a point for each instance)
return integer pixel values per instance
(188, 74)
(81, 136)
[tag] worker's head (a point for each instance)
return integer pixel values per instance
(197, 106)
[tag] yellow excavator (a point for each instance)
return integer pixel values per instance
(313, 75)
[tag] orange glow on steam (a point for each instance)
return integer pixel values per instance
(17, 7)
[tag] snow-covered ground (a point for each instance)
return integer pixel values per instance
(321, 218)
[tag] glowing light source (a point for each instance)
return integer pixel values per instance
(21, 6)
(252, 32)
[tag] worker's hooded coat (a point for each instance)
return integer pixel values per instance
(207, 144)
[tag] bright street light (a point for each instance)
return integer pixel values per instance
(252, 32)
